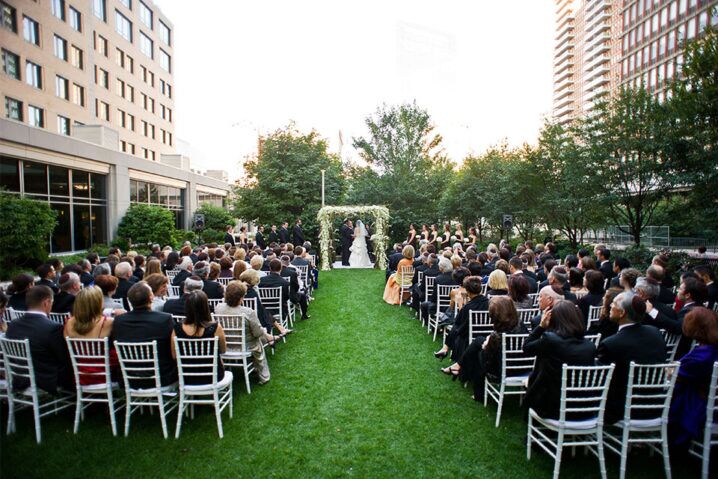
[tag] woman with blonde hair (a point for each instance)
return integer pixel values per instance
(239, 267)
(498, 284)
(240, 254)
(88, 322)
(392, 291)
(154, 266)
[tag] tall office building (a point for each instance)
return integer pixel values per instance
(603, 44)
(87, 91)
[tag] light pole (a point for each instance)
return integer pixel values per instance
(323, 188)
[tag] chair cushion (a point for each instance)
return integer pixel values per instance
(236, 354)
(98, 387)
(640, 423)
(226, 381)
(170, 389)
(517, 380)
(585, 424)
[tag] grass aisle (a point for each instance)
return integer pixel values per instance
(356, 392)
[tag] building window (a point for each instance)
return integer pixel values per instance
(146, 45)
(129, 93)
(11, 64)
(211, 198)
(76, 57)
(165, 61)
(35, 116)
(168, 197)
(101, 45)
(127, 3)
(31, 30)
(103, 78)
(75, 19)
(129, 64)
(164, 33)
(58, 9)
(13, 109)
(131, 125)
(8, 17)
(121, 118)
(166, 88)
(62, 88)
(33, 74)
(120, 88)
(120, 57)
(78, 95)
(99, 8)
(102, 110)
(63, 125)
(60, 47)
(123, 26)
(146, 15)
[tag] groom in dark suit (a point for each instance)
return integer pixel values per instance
(347, 233)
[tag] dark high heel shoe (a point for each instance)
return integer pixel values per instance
(454, 373)
(441, 354)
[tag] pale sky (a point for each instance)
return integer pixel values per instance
(482, 68)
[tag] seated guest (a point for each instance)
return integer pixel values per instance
(123, 272)
(154, 266)
(214, 270)
(657, 273)
(48, 348)
(445, 278)
(198, 324)
(392, 263)
(457, 297)
(547, 298)
(86, 276)
(88, 322)
(257, 264)
(251, 279)
(21, 284)
(691, 293)
(256, 334)
(575, 281)
(296, 295)
(185, 271)
(688, 409)
(658, 314)
(108, 286)
(431, 269)
(628, 278)
(587, 264)
(225, 266)
(605, 327)
(176, 306)
(558, 278)
(593, 282)
(159, 284)
(142, 324)
(47, 277)
(706, 274)
(101, 269)
(392, 290)
(70, 285)
(238, 268)
(212, 289)
(139, 272)
(458, 338)
(3, 308)
(516, 268)
(519, 291)
(633, 342)
(619, 264)
(171, 261)
(483, 356)
(498, 284)
(275, 280)
(558, 340)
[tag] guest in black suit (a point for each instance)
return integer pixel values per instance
(657, 273)
(418, 293)
(274, 280)
(125, 280)
(296, 296)
(21, 284)
(593, 281)
(619, 264)
(603, 259)
(259, 238)
(47, 344)
(557, 340)
(142, 324)
(46, 272)
(393, 260)
(347, 236)
(548, 297)
(692, 292)
(284, 233)
(185, 271)
(458, 338)
(297, 233)
(273, 235)
(516, 267)
(444, 278)
(657, 314)
(251, 279)
(558, 278)
(706, 273)
(176, 306)
(228, 236)
(633, 342)
(212, 289)
(70, 285)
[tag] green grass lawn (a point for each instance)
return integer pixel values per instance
(355, 392)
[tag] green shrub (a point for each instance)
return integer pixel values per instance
(211, 236)
(146, 224)
(215, 217)
(26, 226)
(184, 235)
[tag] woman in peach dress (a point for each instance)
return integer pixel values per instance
(392, 291)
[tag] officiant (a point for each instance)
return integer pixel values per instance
(347, 234)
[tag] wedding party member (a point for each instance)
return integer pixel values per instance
(412, 235)
(392, 291)
(688, 410)
(434, 236)
(284, 233)
(256, 334)
(558, 340)
(459, 233)
(446, 236)
(297, 233)
(424, 232)
(347, 234)
(198, 324)
(259, 237)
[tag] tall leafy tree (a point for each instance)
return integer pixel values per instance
(570, 196)
(630, 151)
(283, 182)
(406, 166)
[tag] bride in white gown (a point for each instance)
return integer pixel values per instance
(359, 254)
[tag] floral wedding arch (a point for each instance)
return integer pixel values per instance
(328, 214)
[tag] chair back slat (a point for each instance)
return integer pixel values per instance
(527, 314)
(18, 361)
(535, 298)
(583, 391)
(224, 281)
(214, 302)
(175, 291)
(479, 323)
(197, 358)
(271, 298)
(405, 276)
(596, 338)
(250, 303)
(594, 315)
(649, 390)
(59, 318)
(672, 341)
(90, 359)
(139, 364)
(171, 273)
(515, 362)
(429, 286)
(235, 330)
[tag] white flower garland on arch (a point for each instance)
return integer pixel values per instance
(328, 214)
